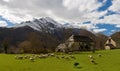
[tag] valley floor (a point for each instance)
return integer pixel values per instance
(109, 61)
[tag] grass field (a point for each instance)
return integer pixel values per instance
(110, 61)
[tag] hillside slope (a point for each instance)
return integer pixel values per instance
(116, 38)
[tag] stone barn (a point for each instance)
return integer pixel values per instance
(61, 48)
(110, 44)
(80, 40)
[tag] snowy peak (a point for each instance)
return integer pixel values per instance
(43, 24)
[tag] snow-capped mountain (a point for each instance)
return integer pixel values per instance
(43, 24)
(46, 24)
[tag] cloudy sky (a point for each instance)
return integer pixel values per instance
(98, 15)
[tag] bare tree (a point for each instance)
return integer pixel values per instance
(5, 45)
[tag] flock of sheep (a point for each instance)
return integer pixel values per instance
(33, 57)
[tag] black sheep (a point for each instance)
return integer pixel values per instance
(76, 64)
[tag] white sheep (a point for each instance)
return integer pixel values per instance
(62, 56)
(57, 57)
(99, 55)
(32, 59)
(72, 56)
(44, 56)
(93, 61)
(91, 56)
(52, 54)
(18, 57)
(26, 57)
(67, 58)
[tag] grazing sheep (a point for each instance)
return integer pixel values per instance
(90, 56)
(52, 54)
(26, 57)
(57, 57)
(62, 56)
(36, 56)
(93, 61)
(67, 58)
(41, 56)
(70, 53)
(44, 56)
(16, 57)
(71, 56)
(19, 57)
(32, 59)
(99, 55)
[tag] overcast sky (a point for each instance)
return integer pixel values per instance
(96, 14)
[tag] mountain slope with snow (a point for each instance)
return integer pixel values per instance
(43, 24)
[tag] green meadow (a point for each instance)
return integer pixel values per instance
(109, 61)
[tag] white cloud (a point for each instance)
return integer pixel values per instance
(111, 19)
(85, 10)
(113, 31)
(94, 15)
(104, 1)
(115, 6)
(6, 0)
(3, 24)
(15, 16)
(99, 30)
(82, 5)
(67, 10)
(73, 11)
(88, 26)
(118, 26)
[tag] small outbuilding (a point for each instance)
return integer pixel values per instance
(61, 47)
(110, 44)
